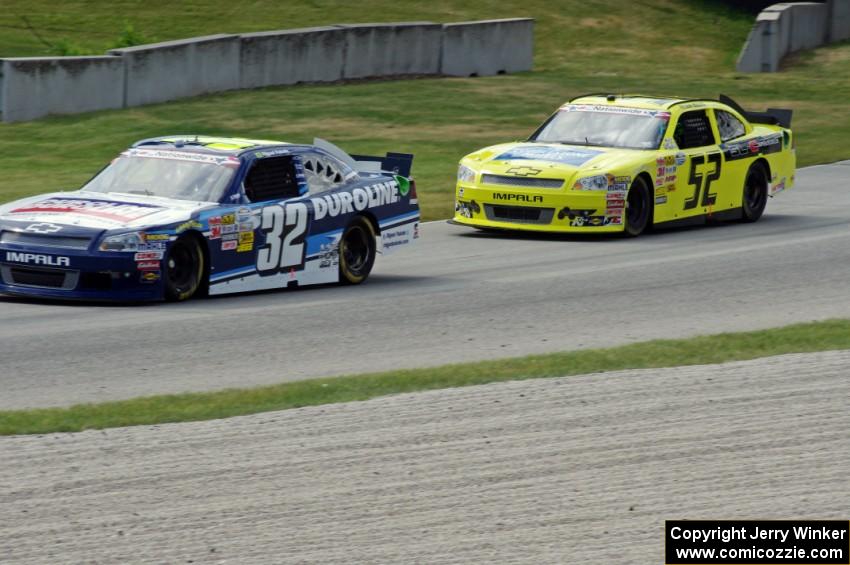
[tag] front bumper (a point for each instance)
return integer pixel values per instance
(76, 275)
(558, 211)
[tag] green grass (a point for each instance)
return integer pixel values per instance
(677, 47)
(818, 336)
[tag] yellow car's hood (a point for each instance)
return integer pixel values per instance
(555, 160)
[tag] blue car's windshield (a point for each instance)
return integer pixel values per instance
(605, 126)
(168, 174)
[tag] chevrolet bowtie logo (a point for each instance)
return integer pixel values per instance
(524, 171)
(43, 228)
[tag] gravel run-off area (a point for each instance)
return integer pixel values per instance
(565, 470)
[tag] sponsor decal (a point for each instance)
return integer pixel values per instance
(246, 226)
(523, 171)
(43, 228)
(680, 158)
(215, 231)
(573, 157)
(214, 221)
(246, 242)
(228, 218)
(670, 143)
(271, 153)
(230, 237)
(178, 156)
(328, 255)
(244, 214)
(395, 237)
(150, 276)
(616, 110)
(156, 237)
(748, 148)
(152, 246)
(778, 187)
(661, 200)
(229, 245)
(614, 221)
(517, 197)
(229, 228)
(148, 265)
(460, 193)
(374, 195)
(37, 259)
(149, 256)
(104, 209)
(190, 225)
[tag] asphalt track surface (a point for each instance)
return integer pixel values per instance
(570, 470)
(459, 296)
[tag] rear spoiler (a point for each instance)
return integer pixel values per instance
(773, 116)
(394, 163)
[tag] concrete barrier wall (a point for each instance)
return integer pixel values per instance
(159, 72)
(178, 69)
(488, 47)
(788, 27)
(839, 20)
(808, 26)
(273, 58)
(33, 87)
(402, 48)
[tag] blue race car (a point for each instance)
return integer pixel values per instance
(174, 217)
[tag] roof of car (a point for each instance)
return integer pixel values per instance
(204, 143)
(631, 100)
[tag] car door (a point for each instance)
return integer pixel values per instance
(274, 186)
(699, 165)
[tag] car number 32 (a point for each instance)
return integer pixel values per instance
(285, 228)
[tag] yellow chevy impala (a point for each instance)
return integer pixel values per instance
(624, 163)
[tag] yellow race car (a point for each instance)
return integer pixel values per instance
(623, 163)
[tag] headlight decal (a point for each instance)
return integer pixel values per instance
(465, 174)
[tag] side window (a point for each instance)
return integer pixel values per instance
(728, 125)
(272, 178)
(323, 172)
(693, 130)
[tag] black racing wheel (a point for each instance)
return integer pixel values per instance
(184, 269)
(754, 197)
(356, 251)
(638, 208)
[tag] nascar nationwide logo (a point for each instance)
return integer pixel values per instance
(36, 259)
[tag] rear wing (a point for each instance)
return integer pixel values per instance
(394, 163)
(773, 116)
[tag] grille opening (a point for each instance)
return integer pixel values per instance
(522, 181)
(519, 214)
(22, 238)
(38, 277)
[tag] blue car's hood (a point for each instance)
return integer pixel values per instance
(88, 210)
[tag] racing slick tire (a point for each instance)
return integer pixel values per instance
(184, 269)
(638, 215)
(357, 248)
(754, 198)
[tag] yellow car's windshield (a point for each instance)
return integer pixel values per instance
(605, 126)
